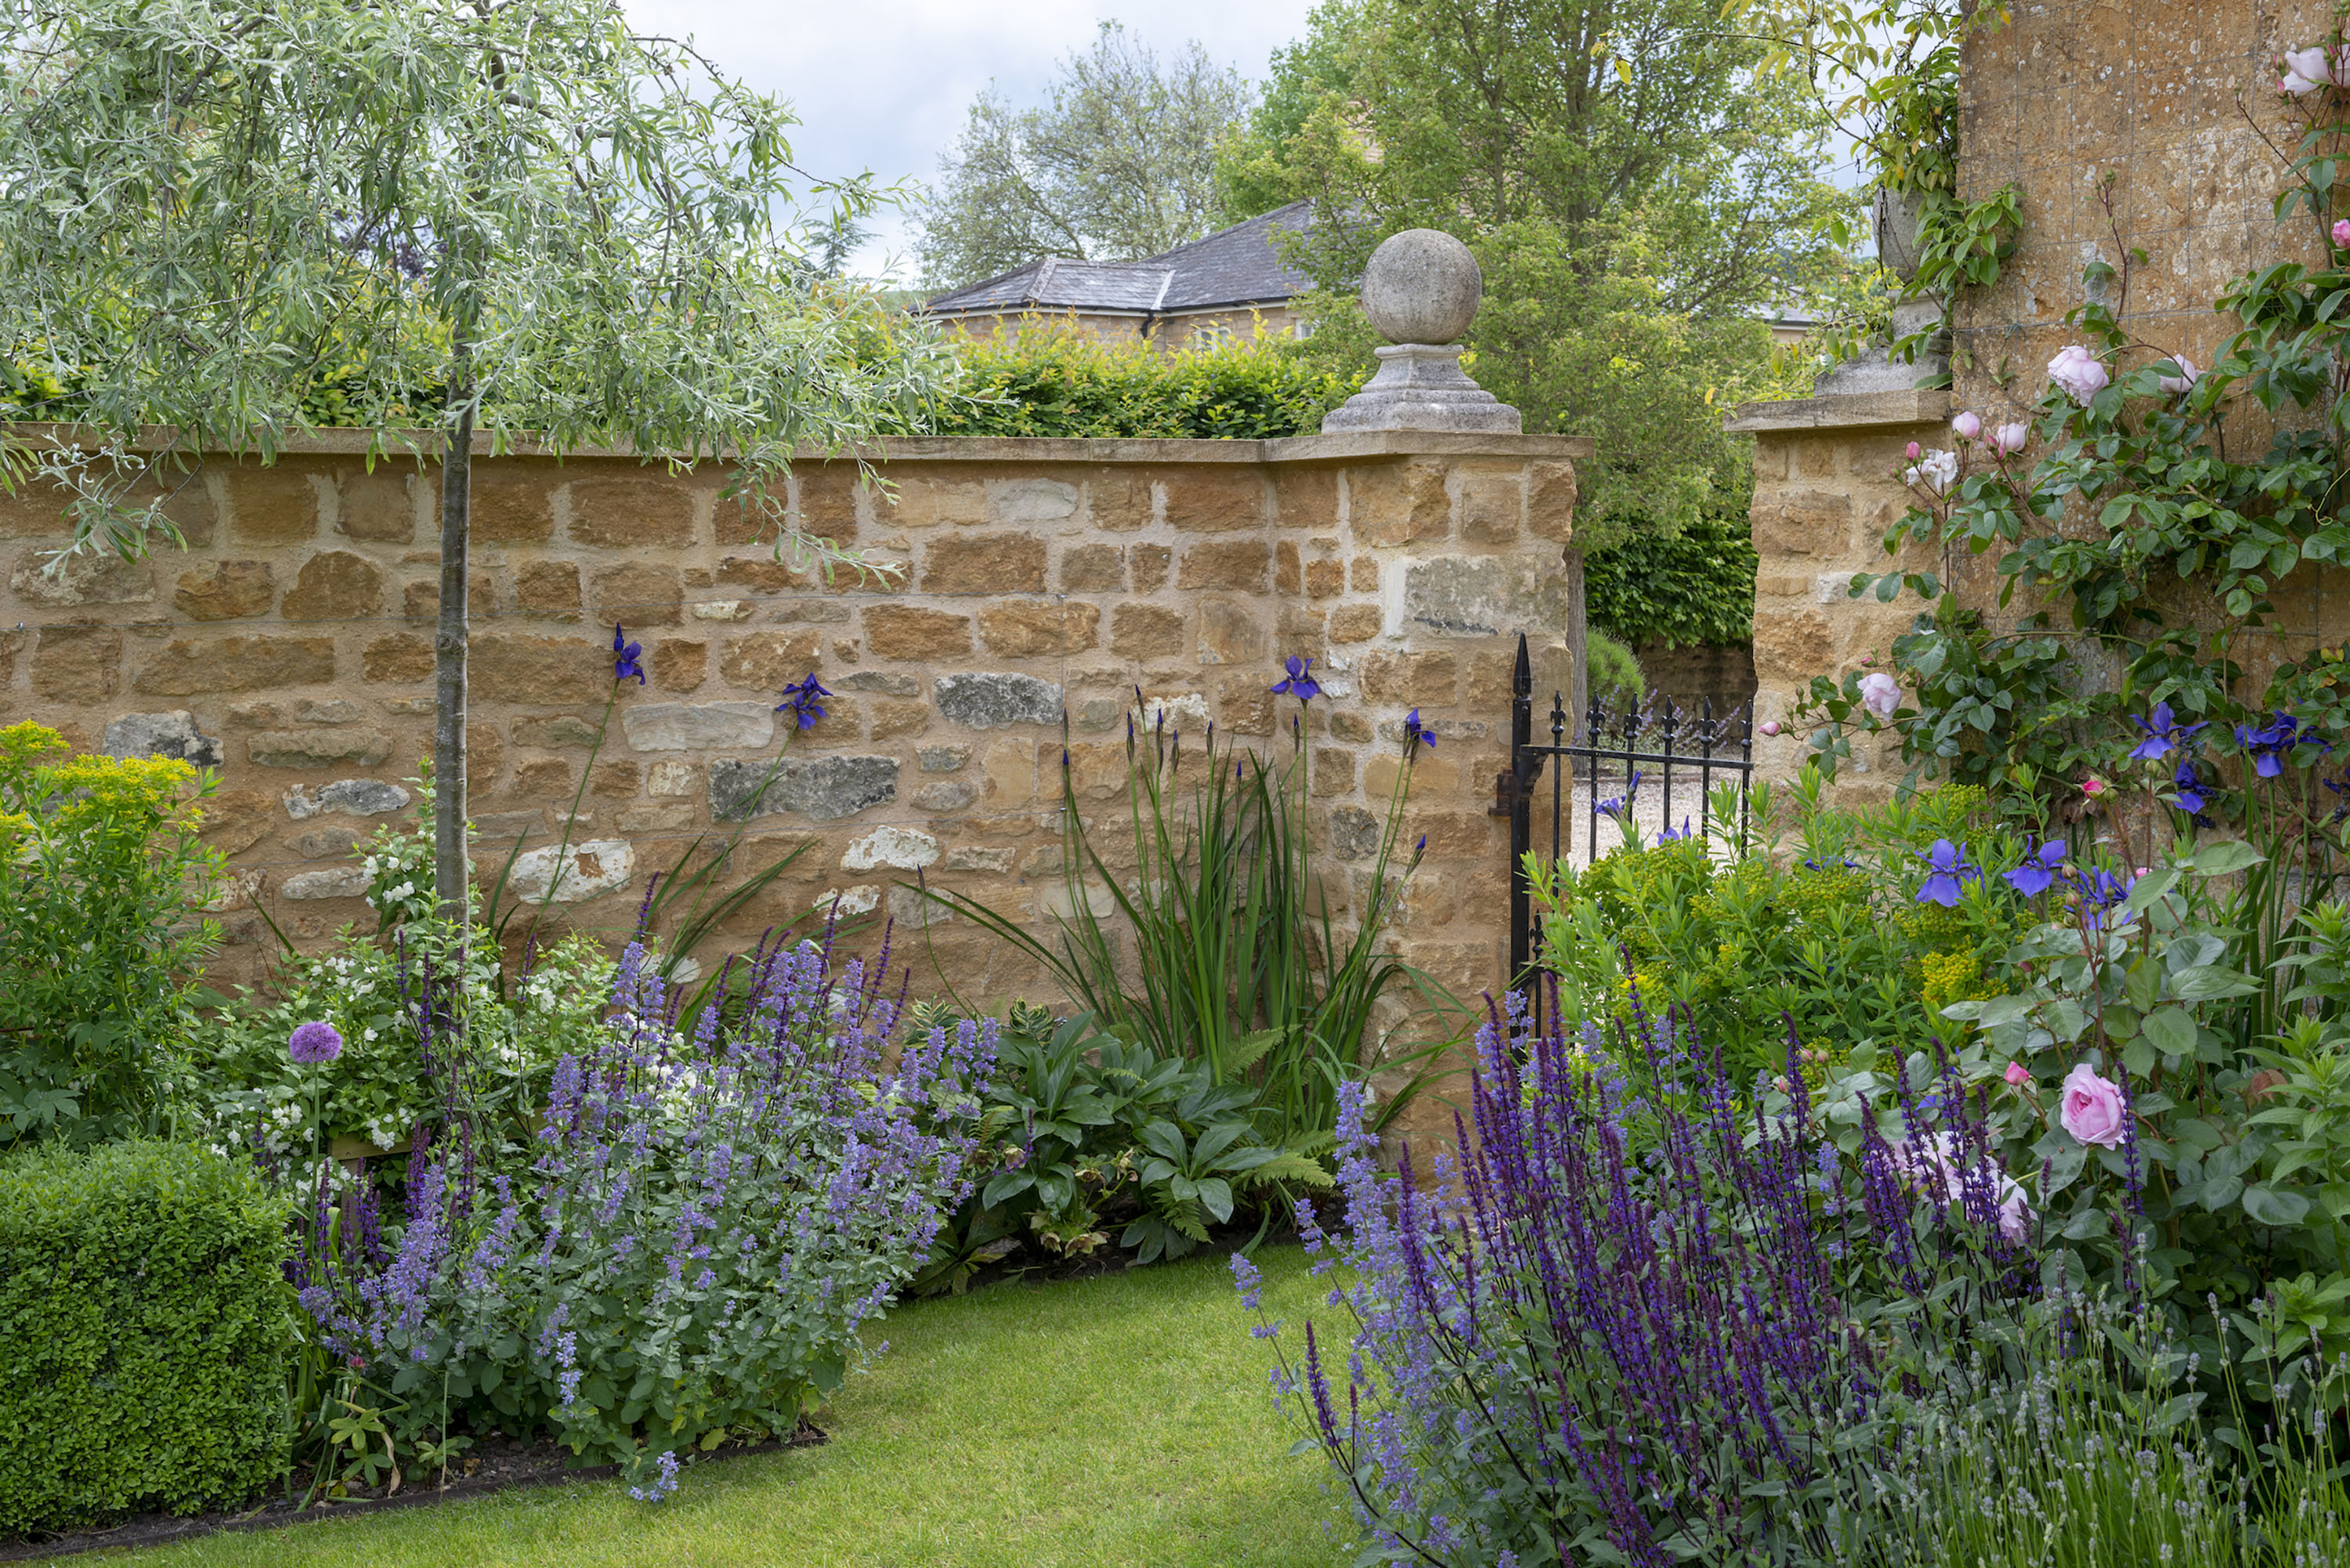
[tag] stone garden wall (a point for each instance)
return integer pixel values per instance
(289, 646)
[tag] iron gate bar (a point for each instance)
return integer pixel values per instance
(1513, 789)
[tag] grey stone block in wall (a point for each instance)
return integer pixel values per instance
(823, 789)
(318, 748)
(942, 759)
(692, 726)
(996, 701)
(362, 797)
(1485, 596)
(172, 734)
(342, 882)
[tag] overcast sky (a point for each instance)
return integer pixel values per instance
(884, 84)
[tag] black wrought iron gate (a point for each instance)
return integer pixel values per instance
(1642, 746)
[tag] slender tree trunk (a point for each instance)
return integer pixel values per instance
(1578, 647)
(451, 874)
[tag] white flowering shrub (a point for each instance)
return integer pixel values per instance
(253, 1097)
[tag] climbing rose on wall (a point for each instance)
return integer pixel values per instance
(2078, 371)
(2093, 1106)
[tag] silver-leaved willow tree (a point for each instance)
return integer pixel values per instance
(453, 224)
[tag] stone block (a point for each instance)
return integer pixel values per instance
(1550, 502)
(768, 661)
(234, 820)
(380, 508)
(635, 593)
(486, 749)
(1491, 503)
(942, 759)
(1324, 578)
(1247, 704)
(633, 513)
(904, 631)
(823, 789)
(225, 590)
(1332, 771)
(1354, 833)
(983, 563)
(187, 666)
(1365, 574)
(1212, 502)
(1008, 775)
(512, 667)
(1287, 575)
(542, 778)
(341, 882)
(1791, 646)
(1150, 564)
(994, 702)
(1307, 499)
(400, 656)
(1355, 623)
(697, 726)
(1093, 569)
(513, 504)
(947, 795)
(615, 778)
(930, 500)
(1038, 629)
(421, 601)
(898, 848)
(1119, 501)
(325, 842)
(333, 585)
(972, 857)
(355, 797)
(721, 609)
(565, 874)
(896, 717)
(679, 665)
(271, 506)
(1413, 679)
(668, 816)
(318, 748)
(1225, 563)
(1146, 631)
(1488, 596)
(666, 778)
(889, 682)
(548, 588)
(172, 734)
(92, 578)
(759, 574)
(1030, 503)
(1802, 522)
(1399, 504)
(1229, 633)
(824, 500)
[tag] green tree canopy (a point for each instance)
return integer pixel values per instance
(1637, 193)
(520, 217)
(1119, 163)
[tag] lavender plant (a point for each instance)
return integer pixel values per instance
(1637, 1324)
(711, 1215)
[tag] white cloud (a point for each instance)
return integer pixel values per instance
(885, 87)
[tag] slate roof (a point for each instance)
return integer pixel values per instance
(1230, 267)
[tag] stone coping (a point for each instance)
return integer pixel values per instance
(1850, 410)
(1342, 447)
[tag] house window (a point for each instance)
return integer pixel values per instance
(1210, 335)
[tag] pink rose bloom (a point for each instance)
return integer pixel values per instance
(2079, 372)
(2182, 382)
(2311, 65)
(1968, 426)
(1880, 694)
(2093, 787)
(2342, 232)
(2014, 1213)
(2017, 1075)
(2011, 438)
(1911, 451)
(1770, 726)
(2092, 1108)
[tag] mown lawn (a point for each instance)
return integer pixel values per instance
(1111, 1421)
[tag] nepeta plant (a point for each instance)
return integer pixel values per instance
(711, 1217)
(1637, 1324)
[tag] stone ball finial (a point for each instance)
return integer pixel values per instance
(1421, 287)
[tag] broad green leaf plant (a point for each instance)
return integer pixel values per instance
(488, 226)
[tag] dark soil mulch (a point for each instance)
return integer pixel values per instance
(498, 1464)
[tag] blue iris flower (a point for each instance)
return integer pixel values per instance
(802, 700)
(1416, 733)
(624, 658)
(2189, 796)
(1619, 805)
(2163, 734)
(1951, 871)
(2038, 872)
(1667, 836)
(1299, 682)
(2268, 744)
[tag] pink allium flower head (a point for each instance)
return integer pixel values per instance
(2079, 372)
(2011, 438)
(1968, 426)
(2091, 1109)
(1880, 694)
(2017, 1075)
(314, 1043)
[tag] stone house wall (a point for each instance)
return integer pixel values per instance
(1172, 333)
(289, 645)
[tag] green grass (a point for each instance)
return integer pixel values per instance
(1112, 1421)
